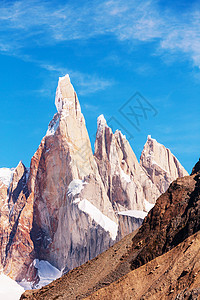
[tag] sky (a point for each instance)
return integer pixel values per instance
(136, 62)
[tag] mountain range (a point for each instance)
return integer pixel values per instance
(72, 204)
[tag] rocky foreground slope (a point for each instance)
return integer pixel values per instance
(159, 261)
(174, 275)
(72, 205)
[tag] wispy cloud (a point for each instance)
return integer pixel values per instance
(47, 22)
(91, 108)
(86, 83)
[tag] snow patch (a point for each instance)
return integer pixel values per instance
(46, 272)
(125, 176)
(58, 98)
(9, 289)
(138, 214)
(102, 220)
(53, 127)
(6, 175)
(77, 200)
(26, 285)
(148, 205)
(75, 187)
(27, 173)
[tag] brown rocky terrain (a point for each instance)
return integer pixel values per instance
(173, 275)
(173, 224)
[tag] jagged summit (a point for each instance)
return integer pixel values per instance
(66, 98)
(101, 120)
(65, 77)
(160, 163)
(101, 124)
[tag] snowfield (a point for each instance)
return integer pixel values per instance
(96, 215)
(9, 289)
(6, 175)
(138, 214)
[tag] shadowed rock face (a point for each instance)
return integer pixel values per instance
(196, 168)
(66, 209)
(17, 250)
(165, 247)
(175, 217)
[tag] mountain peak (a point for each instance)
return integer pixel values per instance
(159, 163)
(65, 94)
(149, 137)
(65, 77)
(101, 124)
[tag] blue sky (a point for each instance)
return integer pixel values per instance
(111, 50)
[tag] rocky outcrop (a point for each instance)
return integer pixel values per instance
(174, 275)
(196, 168)
(175, 217)
(160, 164)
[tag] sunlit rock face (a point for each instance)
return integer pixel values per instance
(68, 188)
(126, 182)
(160, 164)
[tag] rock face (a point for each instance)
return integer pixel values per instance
(16, 216)
(158, 261)
(160, 164)
(69, 196)
(73, 205)
(125, 181)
